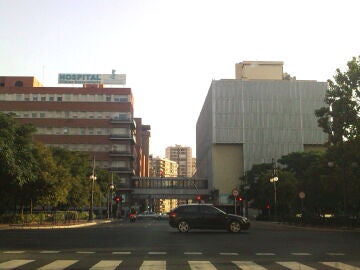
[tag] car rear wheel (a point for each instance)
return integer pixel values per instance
(183, 226)
(234, 226)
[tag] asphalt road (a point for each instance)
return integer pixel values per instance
(152, 244)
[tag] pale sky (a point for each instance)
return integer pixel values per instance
(171, 50)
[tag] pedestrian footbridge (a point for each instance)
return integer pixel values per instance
(169, 187)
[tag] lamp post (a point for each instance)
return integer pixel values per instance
(111, 188)
(273, 180)
(92, 178)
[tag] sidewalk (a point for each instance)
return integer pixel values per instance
(52, 226)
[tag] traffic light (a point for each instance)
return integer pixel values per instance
(117, 199)
(198, 197)
(267, 206)
(240, 199)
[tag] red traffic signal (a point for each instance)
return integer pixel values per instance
(117, 199)
(239, 199)
(267, 206)
(198, 198)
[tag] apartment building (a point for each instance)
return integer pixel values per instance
(163, 167)
(257, 117)
(183, 156)
(92, 119)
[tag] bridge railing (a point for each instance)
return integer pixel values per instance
(169, 183)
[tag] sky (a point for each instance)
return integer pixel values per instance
(171, 50)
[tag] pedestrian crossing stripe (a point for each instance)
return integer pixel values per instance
(248, 265)
(153, 265)
(295, 265)
(13, 264)
(161, 265)
(106, 265)
(340, 265)
(201, 265)
(58, 264)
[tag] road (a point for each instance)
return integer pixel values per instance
(153, 244)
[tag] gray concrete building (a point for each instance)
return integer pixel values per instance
(250, 120)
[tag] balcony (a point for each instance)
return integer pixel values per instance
(118, 120)
(122, 170)
(122, 137)
(121, 154)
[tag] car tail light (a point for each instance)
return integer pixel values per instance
(172, 214)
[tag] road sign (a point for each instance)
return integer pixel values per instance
(235, 192)
(301, 195)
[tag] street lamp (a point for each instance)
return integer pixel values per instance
(93, 179)
(111, 188)
(273, 180)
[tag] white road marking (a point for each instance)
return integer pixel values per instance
(58, 265)
(193, 253)
(201, 265)
(14, 252)
(340, 265)
(121, 252)
(49, 251)
(229, 253)
(157, 253)
(265, 254)
(301, 254)
(106, 265)
(248, 265)
(295, 266)
(85, 252)
(335, 254)
(153, 265)
(13, 264)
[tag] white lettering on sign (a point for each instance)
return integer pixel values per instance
(71, 78)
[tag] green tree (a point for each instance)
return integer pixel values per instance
(262, 191)
(77, 165)
(17, 162)
(53, 181)
(341, 119)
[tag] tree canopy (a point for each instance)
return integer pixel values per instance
(341, 119)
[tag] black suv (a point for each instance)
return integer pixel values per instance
(205, 216)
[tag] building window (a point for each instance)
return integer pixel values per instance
(67, 97)
(108, 98)
(34, 115)
(120, 98)
(42, 115)
(27, 98)
(19, 84)
(82, 131)
(51, 99)
(43, 98)
(18, 97)
(59, 98)
(35, 98)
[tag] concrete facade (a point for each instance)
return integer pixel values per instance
(248, 122)
(259, 70)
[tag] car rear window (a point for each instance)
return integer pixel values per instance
(187, 209)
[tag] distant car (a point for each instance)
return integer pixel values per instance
(164, 216)
(205, 216)
(148, 215)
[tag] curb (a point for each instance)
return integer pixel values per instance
(47, 227)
